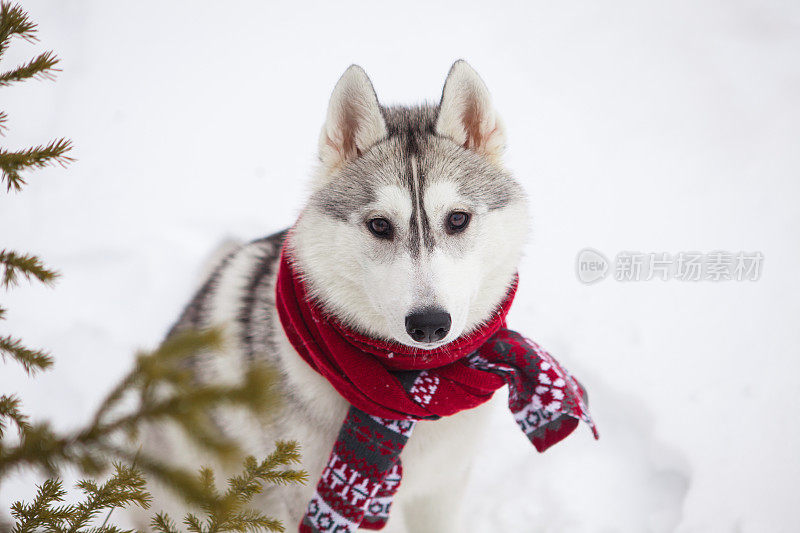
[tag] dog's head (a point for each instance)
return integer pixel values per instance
(414, 229)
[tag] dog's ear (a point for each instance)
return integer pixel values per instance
(354, 122)
(466, 114)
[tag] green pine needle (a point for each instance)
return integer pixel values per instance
(159, 389)
(162, 523)
(28, 266)
(10, 411)
(229, 511)
(14, 22)
(42, 67)
(46, 513)
(37, 515)
(32, 361)
(183, 402)
(12, 162)
(126, 487)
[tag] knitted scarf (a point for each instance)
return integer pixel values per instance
(391, 386)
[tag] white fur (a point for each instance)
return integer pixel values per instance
(375, 295)
(373, 289)
(436, 461)
(466, 275)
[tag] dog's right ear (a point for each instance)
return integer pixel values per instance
(354, 122)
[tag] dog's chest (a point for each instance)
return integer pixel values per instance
(437, 453)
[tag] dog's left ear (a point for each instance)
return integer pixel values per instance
(466, 114)
(354, 122)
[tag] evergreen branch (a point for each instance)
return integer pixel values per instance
(162, 523)
(28, 266)
(9, 410)
(184, 411)
(108, 515)
(41, 447)
(180, 402)
(3, 122)
(11, 163)
(161, 384)
(251, 520)
(229, 512)
(41, 67)
(31, 360)
(161, 365)
(14, 22)
(193, 523)
(41, 513)
(286, 453)
(181, 481)
(124, 488)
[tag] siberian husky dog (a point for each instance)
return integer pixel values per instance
(412, 233)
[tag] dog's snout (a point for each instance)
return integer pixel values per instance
(428, 325)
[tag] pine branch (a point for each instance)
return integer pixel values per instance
(27, 265)
(9, 411)
(32, 361)
(125, 487)
(89, 449)
(193, 523)
(251, 520)
(161, 385)
(3, 122)
(181, 481)
(162, 523)
(11, 163)
(180, 401)
(42, 67)
(14, 22)
(41, 513)
(161, 366)
(229, 512)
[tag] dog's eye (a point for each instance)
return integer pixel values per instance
(380, 227)
(457, 221)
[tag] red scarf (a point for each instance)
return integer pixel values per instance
(390, 386)
(361, 368)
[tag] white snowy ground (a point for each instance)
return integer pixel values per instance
(632, 125)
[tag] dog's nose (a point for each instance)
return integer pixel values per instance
(428, 325)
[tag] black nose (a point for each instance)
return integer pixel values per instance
(428, 325)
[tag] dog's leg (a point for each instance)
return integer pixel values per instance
(438, 512)
(436, 467)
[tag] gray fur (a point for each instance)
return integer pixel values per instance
(194, 315)
(255, 303)
(471, 275)
(413, 156)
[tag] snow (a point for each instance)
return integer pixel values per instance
(632, 125)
